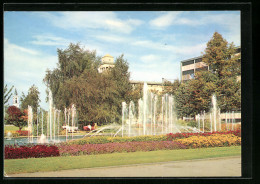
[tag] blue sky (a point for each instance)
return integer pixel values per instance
(153, 42)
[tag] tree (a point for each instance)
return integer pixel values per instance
(72, 62)
(171, 87)
(194, 96)
(224, 63)
(17, 117)
(7, 93)
(97, 96)
(220, 56)
(32, 99)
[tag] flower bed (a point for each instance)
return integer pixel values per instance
(214, 140)
(89, 149)
(107, 139)
(168, 137)
(14, 152)
(172, 136)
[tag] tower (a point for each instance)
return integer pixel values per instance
(107, 62)
(16, 101)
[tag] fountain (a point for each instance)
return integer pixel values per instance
(9, 135)
(153, 116)
(30, 124)
(215, 114)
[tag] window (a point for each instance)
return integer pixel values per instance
(188, 62)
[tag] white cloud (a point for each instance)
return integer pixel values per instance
(111, 38)
(165, 20)
(24, 67)
(177, 49)
(149, 58)
(93, 20)
(230, 22)
(50, 40)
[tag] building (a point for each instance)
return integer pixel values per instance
(152, 86)
(107, 62)
(189, 67)
(16, 101)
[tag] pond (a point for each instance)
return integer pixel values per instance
(24, 140)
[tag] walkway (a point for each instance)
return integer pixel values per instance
(213, 167)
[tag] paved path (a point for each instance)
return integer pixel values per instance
(213, 167)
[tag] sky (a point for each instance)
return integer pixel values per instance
(153, 42)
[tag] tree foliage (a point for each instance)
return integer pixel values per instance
(32, 99)
(17, 117)
(7, 93)
(195, 95)
(97, 96)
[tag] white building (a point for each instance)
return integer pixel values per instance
(107, 62)
(16, 101)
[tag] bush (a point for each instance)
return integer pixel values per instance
(90, 149)
(22, 132)
(192, 123)
(15, 152)
(107, 139)
(168, 137)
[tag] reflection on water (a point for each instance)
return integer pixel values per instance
(24, 140)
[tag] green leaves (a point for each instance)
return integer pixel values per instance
(194, 96)
(7, 93)
(97, 96)
(32, 99)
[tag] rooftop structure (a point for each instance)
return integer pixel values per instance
(107, 62)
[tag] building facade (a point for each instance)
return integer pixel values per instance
(107, 62)
(189, 67)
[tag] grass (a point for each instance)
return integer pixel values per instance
(12, 128)
(89, 161)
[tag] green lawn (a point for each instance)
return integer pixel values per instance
(88, 161)
(12, 128)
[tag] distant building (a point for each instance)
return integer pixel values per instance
(189, 67)
(16, 101)
(107, 62)
(152, 86)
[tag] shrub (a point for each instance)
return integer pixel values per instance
(107, 139)
(89, 149)
(168, 137)
(15, 152)
(22, 132)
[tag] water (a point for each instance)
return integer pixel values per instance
(153, 116)
(35, 140)
(52, 122)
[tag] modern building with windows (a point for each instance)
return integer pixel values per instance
(189, 67)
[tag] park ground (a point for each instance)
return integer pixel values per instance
(203, 162)
(210, 167)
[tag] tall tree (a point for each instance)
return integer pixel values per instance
(220, 56)
(7, 94)
(72, 62)
(195, 95)
(32, 99)
(225, 64)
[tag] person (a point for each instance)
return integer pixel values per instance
(89, 127)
